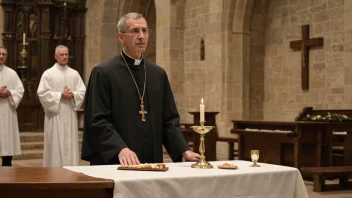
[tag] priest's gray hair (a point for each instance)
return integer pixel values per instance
(121, 25)
(3, 47)
(59, 47)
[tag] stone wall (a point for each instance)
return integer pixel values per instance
(283, 96)
(93, 44)
(219, 78)
(101, 30)
(108, 34)
(347, 54)
(203, 77)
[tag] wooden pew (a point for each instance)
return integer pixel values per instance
(320, 174)
(316, 144)
(340, 150)
(283, 143)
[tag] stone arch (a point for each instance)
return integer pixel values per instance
(236, 56)
(241, 33)
(247, 63)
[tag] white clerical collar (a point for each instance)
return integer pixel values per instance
(136, 61)
(2, 66)
(60, 67)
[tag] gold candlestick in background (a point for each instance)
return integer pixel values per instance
(22, 67)
(202, 130)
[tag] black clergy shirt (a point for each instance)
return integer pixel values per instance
(112, 120)
(146, 155)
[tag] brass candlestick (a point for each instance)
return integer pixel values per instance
(22, 67)
(202, 130)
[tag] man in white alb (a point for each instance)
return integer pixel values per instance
(61, 93)
(11, 93)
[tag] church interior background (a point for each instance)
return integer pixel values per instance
(234, 53)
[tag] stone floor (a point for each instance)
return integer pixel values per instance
(221, 155)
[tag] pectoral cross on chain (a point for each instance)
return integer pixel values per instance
(142, 111)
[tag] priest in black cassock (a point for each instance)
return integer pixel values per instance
(130, 112)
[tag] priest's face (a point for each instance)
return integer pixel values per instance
(3, 56)
(61, 56)
(135, 38)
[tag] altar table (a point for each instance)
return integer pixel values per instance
(180, 181)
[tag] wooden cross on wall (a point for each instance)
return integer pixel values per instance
(304, 45)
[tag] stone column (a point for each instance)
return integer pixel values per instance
(170, 46)
(93, 37)
(108, 34)
(347, 54)
(163, 33)
(241, 56)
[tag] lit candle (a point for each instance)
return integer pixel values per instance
(24, 38)
(202, 107)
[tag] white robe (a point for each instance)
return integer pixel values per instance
(9, 134)
(60, 124)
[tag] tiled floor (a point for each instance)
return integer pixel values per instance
(221, 155)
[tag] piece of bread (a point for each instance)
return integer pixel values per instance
(161, 165)
(144, 166)
(227, 165)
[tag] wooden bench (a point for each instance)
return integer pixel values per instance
(320, 174)
(231, 141)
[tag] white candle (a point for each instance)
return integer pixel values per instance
(24, 38)
(201, 107)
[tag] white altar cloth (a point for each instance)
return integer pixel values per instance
(182, 181)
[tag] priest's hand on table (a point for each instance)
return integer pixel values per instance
(128, 157)
(191, 156)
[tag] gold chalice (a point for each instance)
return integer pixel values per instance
(255, 158)
(202, 130)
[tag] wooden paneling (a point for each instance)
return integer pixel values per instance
(47, 23)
